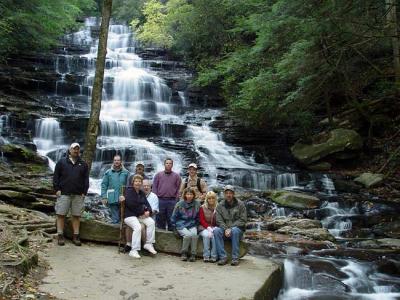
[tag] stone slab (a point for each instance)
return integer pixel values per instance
(95, 271)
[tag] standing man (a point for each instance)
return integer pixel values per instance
(231, 222)
(151, 198)
(71, 183)
(166, 186)
(111, 187)
(139, 170)
(194, 182)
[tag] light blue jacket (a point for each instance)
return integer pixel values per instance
(111, 184)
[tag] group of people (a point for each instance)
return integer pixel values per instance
(170, 203)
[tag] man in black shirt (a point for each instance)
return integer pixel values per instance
(71, 183)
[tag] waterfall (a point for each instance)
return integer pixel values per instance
(49, 139)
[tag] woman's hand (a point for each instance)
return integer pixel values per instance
(121, 198)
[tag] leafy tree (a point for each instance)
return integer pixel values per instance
(284, 62)
(37, 24)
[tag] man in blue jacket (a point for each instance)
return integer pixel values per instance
(114, 180)
(71, 183)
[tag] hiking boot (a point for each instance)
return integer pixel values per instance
(134, 253)
(213, 260)
(206, 259)
(127, 249)
(60, 240)
(150, 248)
(222, 262)
(76, 240)
(184, 256)
(192, 258)
(234, 262)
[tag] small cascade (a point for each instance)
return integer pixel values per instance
(4, 128)
(49, 139)
(338, 217)
(363, 282)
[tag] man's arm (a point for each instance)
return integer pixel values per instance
(177, 186)
(104, 186)
(220, 220)
(56, 177)
(154, 188)
(86, 178)
(241, 222)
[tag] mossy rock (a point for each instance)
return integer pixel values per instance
(369, 179)
(166, 241)
(336, 141)
(294, 200)
(20, 153)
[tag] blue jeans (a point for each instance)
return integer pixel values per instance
(206, 245)
(114, 212)
(163, 217)
(236, 235)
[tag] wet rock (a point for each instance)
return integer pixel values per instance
(21, 153)
(325, 266)
(321, 234)
(388, 229)
(279, 222)
(324, 282)
(337, 140)
(322, 166)
(346, 186)
(294, 200)
(389, 266)
(369, 179)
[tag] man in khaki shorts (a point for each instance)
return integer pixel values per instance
(71, 183)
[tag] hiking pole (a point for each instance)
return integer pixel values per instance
(121, 219)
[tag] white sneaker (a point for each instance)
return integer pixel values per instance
(150, 248)
(134, 253)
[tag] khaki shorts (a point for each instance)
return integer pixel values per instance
(66, 202)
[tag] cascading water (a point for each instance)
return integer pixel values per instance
(133, 94)
(49, 138)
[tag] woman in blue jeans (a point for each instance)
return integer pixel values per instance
(185, 219)
(208, 223)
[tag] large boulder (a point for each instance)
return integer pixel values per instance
(336, 141)
(369, 179)
(294, 199)
(166, 241)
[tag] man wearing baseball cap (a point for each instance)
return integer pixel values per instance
(71, 183)
(194, 182)
(139, 170)
(231, 222)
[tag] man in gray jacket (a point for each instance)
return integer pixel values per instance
(231, 222)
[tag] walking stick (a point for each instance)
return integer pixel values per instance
(121, 219)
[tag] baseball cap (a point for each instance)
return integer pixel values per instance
(192, 165)
(74, 145)
(139, 163)
(229, 188)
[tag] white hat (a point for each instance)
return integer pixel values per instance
(192, 165)
(229, 188)
(74, 145)
(139, 163)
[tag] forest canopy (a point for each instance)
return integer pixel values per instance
(281, 62)
(38, 24)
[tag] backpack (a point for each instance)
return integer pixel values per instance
(198, 184)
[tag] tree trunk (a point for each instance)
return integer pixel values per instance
(391, 18)
(93, 125)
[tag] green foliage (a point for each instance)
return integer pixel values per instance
(126, 10)
(278, 61)
(37, 24)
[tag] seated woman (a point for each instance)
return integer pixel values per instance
(208, 222)
(137, 212)
(185, 219)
